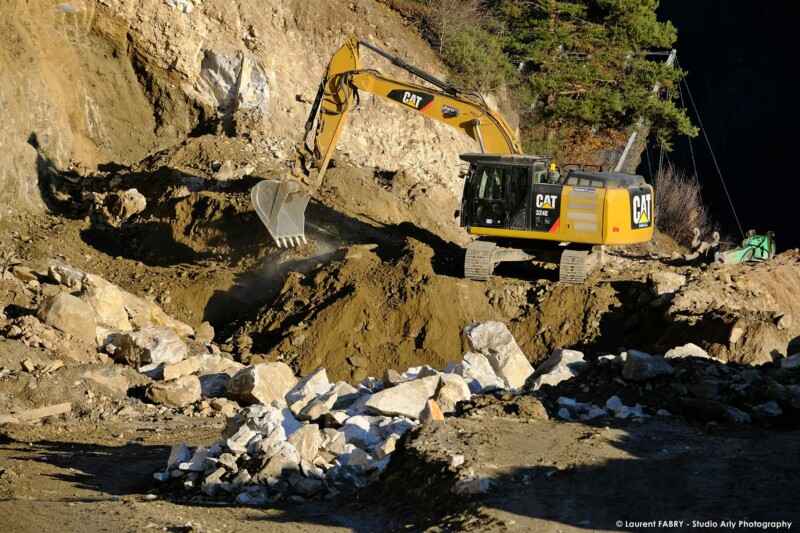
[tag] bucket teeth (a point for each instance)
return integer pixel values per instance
(281, 207)
(291, 242)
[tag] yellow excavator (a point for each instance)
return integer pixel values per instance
(519, 206)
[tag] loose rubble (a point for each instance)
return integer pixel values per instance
(311, 438)
(637, 386)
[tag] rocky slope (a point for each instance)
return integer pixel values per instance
(102, 82)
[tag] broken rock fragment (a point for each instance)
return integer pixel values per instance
(307, 389)
(452, 389)
(261, 383)
(69, 314)
(204, 333)
(125, 204)
(214, 385)
(665, 282)
(179, 392)
(560, 366)
(319, 406)
(432, 412)
(477, 372)
(179, 453)
(149, 346)
(307, 440)
(687, 350)
(346, 479)
(108, 302)
(494, 340)
(183, 368)
(386, 447)
(640, 366)
(406, 399)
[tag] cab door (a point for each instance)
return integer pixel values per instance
(488, 197)
(519, 194)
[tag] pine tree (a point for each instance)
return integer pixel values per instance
(585, 62)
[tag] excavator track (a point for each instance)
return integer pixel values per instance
(478, 262)
(575, 265)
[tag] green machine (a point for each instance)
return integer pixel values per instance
(754, 249)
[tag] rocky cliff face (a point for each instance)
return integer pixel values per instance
(99, 82)
(69, 99)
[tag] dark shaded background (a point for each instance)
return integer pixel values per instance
(742, 57)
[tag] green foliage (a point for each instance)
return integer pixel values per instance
(585, 63)
(476, 60)
(582, 63)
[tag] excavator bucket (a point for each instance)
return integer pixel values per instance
(754, 249)
(281, 206)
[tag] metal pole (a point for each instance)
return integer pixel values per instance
(635, 132)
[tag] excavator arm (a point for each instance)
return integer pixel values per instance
(281, 204)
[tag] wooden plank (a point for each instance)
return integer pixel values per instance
(32, 415)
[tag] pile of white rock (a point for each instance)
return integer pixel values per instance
(312, 438)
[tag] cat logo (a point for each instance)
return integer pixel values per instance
(411, 99)
(641, 209)
(415, 100)
(546, 201)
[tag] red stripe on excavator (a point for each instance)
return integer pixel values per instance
(555, 226)
(427, 106)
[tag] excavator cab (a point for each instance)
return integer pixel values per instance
(498, 191)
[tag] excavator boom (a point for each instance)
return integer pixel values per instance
(281, 204)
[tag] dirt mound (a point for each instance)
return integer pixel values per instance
(746, 314)
(375, 309)
(396, 305)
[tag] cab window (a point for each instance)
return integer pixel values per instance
(490, 184)
(489, 199)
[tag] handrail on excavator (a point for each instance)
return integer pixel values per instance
(396, 61)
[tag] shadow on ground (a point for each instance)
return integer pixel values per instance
(583, 476)
(72, 473)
